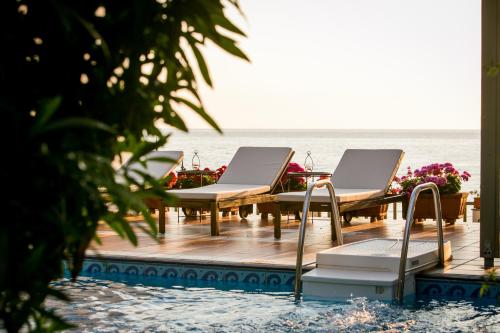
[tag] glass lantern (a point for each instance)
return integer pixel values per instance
(309, 163)
(195, 162)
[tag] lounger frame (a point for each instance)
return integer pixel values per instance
(344, 207)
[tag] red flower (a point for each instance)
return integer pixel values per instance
(170, 180)
(296, 183)
(220, 171)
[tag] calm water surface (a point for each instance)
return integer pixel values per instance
(460, 147)
(106, 306)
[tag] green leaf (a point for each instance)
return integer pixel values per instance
(201, 62)
(121, 226)
(229, 45)
(223, 22)
(47, 108)
(58, 294)
(95, 34)
(51, 322)
(200, 111)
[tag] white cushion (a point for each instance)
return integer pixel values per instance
(257, 166)
(367, 168)
(220, 191)
(157, 169)
(341, 194)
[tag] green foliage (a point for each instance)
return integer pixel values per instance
(491, 277)
(194, 181)
(297, 184)
(453, 185)
(84, 82)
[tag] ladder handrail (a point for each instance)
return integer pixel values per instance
(406, 240)
(302, 230)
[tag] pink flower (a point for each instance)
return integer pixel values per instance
(465, 176)
(444, 175)
(449, 169)
(439, 181)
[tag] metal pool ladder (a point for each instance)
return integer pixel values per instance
(305, 210)
(338, 231)
(406, 240)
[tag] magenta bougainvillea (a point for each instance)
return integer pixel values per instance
(297, 183)
(447, 178)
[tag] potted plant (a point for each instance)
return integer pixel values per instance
(449, 182)
(476, 211)
(477, 199)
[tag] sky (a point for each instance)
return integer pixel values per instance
(341, 64)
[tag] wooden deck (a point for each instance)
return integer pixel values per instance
(250, 243)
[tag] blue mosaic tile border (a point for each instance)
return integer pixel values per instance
(455, 289)
(156, 272)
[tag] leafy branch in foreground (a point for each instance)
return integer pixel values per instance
(83, 83)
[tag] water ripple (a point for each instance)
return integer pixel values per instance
(106, 306)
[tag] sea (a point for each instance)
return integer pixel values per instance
(421, 147)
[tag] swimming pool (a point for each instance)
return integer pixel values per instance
(110, 306)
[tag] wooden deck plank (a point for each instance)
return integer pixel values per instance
(250, 242)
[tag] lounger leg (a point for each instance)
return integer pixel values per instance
(214, 215)
(161, 217)
(277, 222)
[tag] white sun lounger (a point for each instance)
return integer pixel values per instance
(251, 177)
(154, 168)
(361, 180)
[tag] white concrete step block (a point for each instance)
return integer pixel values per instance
(368, 269)
(340, 285)
(381, 254)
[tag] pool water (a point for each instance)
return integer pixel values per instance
(109, 306)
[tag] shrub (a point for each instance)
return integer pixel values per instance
(83, 83)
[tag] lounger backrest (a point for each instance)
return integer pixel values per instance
(367, 168)
(257, 166)
(158, 169)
